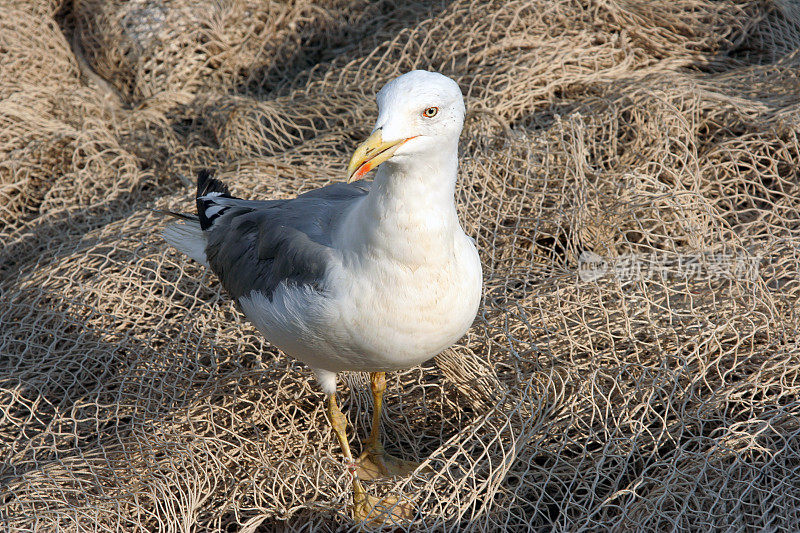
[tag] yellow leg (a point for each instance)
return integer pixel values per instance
(374, 462)
(377, 381)
(365, 507)
(339, 425)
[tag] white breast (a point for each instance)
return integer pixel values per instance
(377, 315)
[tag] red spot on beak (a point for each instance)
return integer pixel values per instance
(363, 169)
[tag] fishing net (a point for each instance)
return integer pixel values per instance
(629, 170)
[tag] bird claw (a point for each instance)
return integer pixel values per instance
(374, 510)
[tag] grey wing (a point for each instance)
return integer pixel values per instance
(256, 245)
(339, 190)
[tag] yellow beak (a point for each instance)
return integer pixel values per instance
(370, 154)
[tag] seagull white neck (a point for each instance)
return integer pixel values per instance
(413, 202)
(417, 184)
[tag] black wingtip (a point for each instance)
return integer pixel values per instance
(207, 183)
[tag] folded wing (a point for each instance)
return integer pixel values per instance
(256, 245)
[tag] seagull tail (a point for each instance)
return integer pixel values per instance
(187, 237)
(188, 234)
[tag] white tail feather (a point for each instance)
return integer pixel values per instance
(187, 238)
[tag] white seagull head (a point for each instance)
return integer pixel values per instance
(419, 113)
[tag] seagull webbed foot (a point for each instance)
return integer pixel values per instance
(375, 463)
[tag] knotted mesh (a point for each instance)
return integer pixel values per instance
(628, 170)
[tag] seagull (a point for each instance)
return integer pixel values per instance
(355, 276)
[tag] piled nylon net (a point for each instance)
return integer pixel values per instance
(629, 169)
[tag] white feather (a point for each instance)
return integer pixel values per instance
(187, 238)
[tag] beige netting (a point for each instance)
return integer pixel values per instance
(629, 170)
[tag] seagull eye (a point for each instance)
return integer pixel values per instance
(430, 112)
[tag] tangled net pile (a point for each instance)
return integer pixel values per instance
(629, 169)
